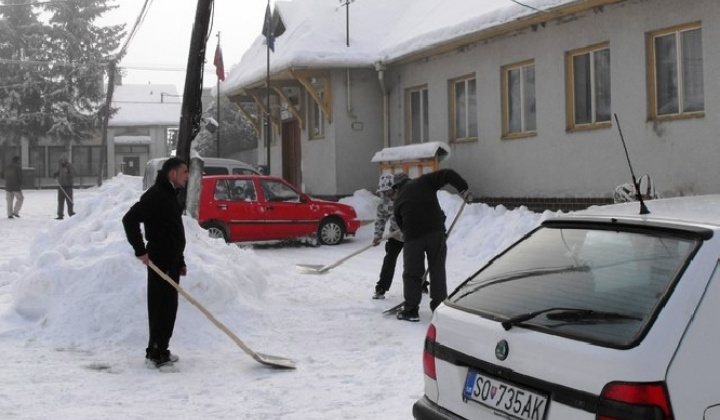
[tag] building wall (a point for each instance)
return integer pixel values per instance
(339, 164)
(680, 155)
(359, 133)
(158, 148)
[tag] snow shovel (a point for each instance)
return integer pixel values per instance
(320, 269)
(266, 359)
(65, 192)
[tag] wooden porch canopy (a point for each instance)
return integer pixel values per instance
(413, 159)
(313, 81)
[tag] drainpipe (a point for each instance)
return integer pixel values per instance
(349, 97)
(380, 68)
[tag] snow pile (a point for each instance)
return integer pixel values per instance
(483, 230)
(84, 283)
(73, 318)
(365, 204)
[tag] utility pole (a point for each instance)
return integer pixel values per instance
(269, 44)
(191, 112)
(112, 69)
(217, 110)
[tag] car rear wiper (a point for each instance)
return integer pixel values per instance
(569, 315)
(579, 315)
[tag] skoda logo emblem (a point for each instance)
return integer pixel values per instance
(502, 349)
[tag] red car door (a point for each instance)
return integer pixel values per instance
(235, 202)
(287, 213)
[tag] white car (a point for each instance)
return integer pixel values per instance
(599, 314)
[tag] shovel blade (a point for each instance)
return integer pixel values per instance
(274, 361)
(311, 268)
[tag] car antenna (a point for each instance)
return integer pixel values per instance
(643, 207)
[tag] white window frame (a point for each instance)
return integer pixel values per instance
(316, 126)
(525, 130)
(653, 103)
(595, 122)
(423, 114)
(469, 108)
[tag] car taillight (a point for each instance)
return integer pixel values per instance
(428, 356)
(634, 401)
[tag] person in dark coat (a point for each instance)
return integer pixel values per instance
(418, 214)
(13, 187)
(161, 214)
(64, 175)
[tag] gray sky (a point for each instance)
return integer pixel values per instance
(158, 53)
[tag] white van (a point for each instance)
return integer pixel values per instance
(211, 166)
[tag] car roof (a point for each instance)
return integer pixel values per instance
(700, 210)
(210, 160)
(241, 176)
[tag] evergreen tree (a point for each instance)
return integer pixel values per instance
(85, 50)
(24, 78)
(236, 133)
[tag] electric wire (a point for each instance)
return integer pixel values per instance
(138, 22)
(38, 3)
(529, 7)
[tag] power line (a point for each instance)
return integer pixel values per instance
(52, 63)
(529, 7)
(140, 19)
(151, 68)
(38, 3)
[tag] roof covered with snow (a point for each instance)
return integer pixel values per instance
(145, 105)
(381, 31)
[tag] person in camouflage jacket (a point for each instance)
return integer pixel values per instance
(394, 244)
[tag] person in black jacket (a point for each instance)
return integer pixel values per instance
(161, 214)
(13, 187)
(64, 175)
(422, 221)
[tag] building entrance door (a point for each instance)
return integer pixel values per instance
(131, 165)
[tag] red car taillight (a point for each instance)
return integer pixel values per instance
(634, 401)
(428, 356)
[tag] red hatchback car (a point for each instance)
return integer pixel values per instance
(253, 208)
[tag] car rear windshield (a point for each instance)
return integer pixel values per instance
(599, 286)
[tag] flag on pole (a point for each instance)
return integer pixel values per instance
(269, 30)
(219, 65)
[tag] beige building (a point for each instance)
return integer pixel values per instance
(525, 95)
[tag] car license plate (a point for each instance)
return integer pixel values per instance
(504, 397)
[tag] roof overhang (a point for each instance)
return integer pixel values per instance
(559, 13)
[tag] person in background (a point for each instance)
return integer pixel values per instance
(161, 214)
(64, 176)
(394, 244)
(422, 221)
(13, 187)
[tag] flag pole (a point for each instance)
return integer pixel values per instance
(217, 113)
(268, 133)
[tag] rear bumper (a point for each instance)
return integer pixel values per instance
(424, 409)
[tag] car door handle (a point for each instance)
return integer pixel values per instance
(222, 206)
(269, 208)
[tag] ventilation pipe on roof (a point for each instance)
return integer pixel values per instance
(380, 68)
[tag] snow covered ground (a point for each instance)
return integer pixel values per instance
(73, 323)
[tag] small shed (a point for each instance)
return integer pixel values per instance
(413, 159)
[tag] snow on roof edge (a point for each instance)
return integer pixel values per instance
(413, 152)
